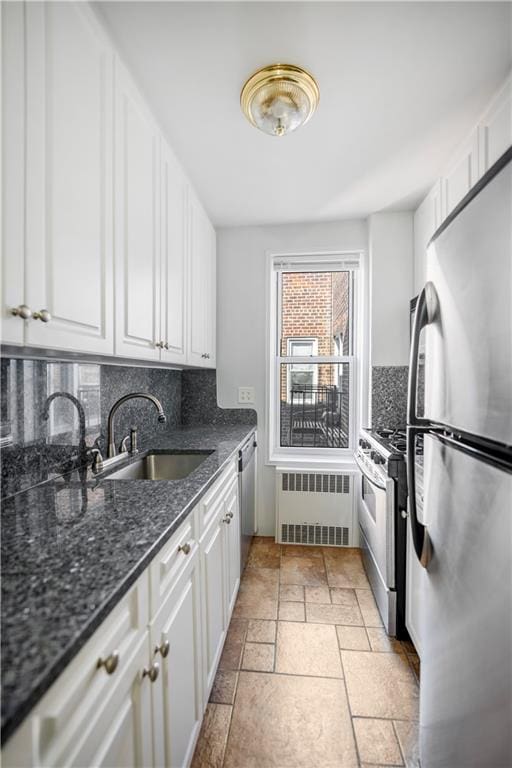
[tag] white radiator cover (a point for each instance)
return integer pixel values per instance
(315, 508)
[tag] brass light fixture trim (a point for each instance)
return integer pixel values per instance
(279, 98)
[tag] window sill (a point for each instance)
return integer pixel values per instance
(344, 460)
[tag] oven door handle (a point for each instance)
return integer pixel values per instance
(371, 480)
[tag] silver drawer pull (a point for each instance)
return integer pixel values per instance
(185, 548)
(42, 315)
(110, 663)
(152, 672)
(163, 649)
(22, 311)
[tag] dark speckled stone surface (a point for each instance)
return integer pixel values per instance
(389, 396)
(199, 401)
(72, 546)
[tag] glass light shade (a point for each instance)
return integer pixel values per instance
(279, 99)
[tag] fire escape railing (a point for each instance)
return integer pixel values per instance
(318, 417)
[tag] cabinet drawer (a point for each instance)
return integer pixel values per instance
(58, 721)
(171, 560)
(215, 496)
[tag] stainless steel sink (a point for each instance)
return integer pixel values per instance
(161, 466)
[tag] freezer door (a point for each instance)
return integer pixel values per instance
(468, 367)
(466, 674)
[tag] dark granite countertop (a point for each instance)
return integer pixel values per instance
(72, 546)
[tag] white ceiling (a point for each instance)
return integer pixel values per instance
(400, 86)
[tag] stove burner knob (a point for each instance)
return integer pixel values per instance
(378, 459)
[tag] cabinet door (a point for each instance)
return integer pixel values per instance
(173, 253)
(13, 151)
(202, 286)
(495, 130)
(121, 735)
(462, 175)
(177, 696)
(137, 182)
(69, 247)
(213, 589)
(232, 514)
(427, 219)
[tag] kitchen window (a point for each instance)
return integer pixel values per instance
(312, 361)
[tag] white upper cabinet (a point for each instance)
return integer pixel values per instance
(462, 174)
(202, 255)
(83, 159)
(173, 244)
(68, 267)
(495, 129)
(137, 187)
(490, 139)
(427, 218)
(13, 202)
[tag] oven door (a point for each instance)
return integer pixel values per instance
(376, 519)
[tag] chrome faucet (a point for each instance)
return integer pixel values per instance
(112, 451)
(81, 415)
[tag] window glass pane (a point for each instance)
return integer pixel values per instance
(314, 405)
(315, 313)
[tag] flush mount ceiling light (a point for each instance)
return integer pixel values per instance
(279, 99)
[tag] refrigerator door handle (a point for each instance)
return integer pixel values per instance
(426, 312)
(420, 537)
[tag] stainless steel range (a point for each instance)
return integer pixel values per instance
(383, 521)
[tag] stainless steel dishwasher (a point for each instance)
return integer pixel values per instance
(247, 495)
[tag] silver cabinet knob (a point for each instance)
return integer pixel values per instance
(185, 548)
(166, 346)
(159, 344)
(230, 515)
(110, 663)
(152, 672)
(42, 315)
(226, 520)
(163, 649)
(22, 311)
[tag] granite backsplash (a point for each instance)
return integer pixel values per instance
(53, 412)
(199, 401)
(389, 396)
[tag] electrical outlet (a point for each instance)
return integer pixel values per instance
(246, 395)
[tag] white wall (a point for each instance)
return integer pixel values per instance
(241, 320)
(391, 249)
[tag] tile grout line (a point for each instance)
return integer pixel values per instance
(349, 707)
(404, 761)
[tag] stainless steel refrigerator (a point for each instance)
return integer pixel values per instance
(461, 521)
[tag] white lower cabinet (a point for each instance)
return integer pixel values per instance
(135, 694)
(213, 562)
(121, 729)
(232, 533)
(177, 694)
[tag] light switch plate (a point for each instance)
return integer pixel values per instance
(246, 395)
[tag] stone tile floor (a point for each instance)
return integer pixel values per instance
(308, 677)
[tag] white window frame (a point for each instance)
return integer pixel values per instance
(301, 340)
(278, 263)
